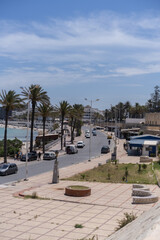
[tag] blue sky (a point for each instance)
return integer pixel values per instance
(78, 49)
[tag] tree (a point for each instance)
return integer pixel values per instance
(63, 110)
(127, 107)
(9, 101)
(76, 114)
(155, 97)
(45, 111)
(36, 95)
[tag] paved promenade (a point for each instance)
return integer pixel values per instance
(28, 219)
(55, 217)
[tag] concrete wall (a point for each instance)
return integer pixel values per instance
(134, 120)
(145, 227)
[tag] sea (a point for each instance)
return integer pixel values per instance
(21, 134)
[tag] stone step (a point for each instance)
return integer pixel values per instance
(141, 192)
(146, 199)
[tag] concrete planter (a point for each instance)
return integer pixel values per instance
(77, 191)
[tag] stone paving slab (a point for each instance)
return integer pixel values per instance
(28, 219)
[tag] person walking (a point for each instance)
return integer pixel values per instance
(39, 156)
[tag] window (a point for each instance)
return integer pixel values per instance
(149, 148)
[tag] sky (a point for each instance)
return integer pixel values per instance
(76, 49)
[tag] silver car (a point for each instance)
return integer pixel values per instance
(8, 168)
(49, 156)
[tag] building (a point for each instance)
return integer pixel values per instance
(152, 119)
(144, 145)
(89, 113)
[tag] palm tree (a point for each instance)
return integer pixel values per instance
(36, 95)
(76, 114)
(45, 111)
(9, 101)
(63, 110)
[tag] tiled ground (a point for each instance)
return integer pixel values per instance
(28, 219)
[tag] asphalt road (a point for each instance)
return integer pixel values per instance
(38, 167)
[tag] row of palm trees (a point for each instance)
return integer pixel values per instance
(40, 100)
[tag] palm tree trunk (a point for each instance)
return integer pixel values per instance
(32, 125)
(74, 125)
(71, 127)
(5, 137)
(44, 121)
(62, 133)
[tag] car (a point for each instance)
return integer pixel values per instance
(80, 144)
(49, 156)
(87, 135)
(105, 149)
(31, 156)
(71, 149)
(94, 133)
(8, 168)
(87, 131)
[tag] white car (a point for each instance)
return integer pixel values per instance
(80, 144)
(87, 131)
(87, 135)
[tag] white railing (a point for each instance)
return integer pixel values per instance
(51, 144)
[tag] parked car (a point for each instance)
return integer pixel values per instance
(49, 156)
(94, 133)
(105, 149)
(8, 168)
(80, 144)
(31, 156)
(71, 149)
(87, 135)
(87, 131)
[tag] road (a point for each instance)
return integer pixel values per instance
(38, 167)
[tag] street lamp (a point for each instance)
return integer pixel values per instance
(55, 178)
(28, 103)
(91, 101)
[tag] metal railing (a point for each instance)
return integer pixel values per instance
(51, 144)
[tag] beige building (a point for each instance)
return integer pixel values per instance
(152, 119)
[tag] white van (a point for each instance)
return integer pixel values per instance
(71, 149)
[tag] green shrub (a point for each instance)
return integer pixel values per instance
(126, 173)
(34, 195)
(139, 167)
(83, 175)
(144, 166)
(129, 217)
(78, 226)
(13, 146)
(152, 155)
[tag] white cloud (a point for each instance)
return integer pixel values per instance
(137, 71)
(79, 50)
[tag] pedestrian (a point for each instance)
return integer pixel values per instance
(39, 156)
(20, 155)
(109, 141)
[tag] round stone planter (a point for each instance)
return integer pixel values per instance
(77, 191)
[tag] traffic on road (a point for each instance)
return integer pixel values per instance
(92, 147)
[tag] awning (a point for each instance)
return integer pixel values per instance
(142, 142)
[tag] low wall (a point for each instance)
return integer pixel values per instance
(145, 227)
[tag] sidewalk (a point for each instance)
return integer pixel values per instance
(55, 219)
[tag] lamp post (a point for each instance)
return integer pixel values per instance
(55, 178)
(91, 101)
(28, 103)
